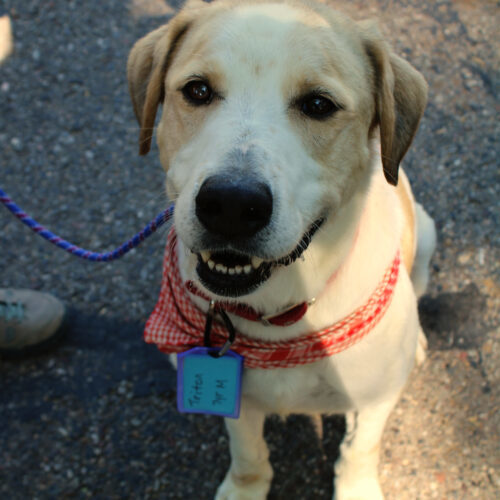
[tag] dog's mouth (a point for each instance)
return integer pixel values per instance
(232, 274)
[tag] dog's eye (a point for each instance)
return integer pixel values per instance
(198, 92)
(317, 106)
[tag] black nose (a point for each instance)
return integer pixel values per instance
(234, 208)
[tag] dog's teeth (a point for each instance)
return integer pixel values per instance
(256, 262)
(211, 264)
(238, 269)
(247, 269)
(205, 255)
(221, 268)
(231, 271)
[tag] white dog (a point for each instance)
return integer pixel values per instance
(282, 128)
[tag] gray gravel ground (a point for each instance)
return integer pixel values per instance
(95, 416)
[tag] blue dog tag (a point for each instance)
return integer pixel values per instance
(209, 384)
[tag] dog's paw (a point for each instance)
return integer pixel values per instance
(245, 487)
(362, 489)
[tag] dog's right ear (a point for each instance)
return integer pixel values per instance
(147, 66)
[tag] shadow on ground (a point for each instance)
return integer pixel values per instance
(101, 404)
(108, 408)
(454, 319)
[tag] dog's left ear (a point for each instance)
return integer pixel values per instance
(400, 99)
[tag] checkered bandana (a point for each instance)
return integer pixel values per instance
(177, 325)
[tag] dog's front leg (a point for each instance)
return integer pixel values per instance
(250, 474)
(356, 470)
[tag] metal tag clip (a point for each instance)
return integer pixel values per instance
(213, 310)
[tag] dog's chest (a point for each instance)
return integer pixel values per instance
(312, 388)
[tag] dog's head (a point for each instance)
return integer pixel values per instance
(269, 112)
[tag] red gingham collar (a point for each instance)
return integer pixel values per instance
(177, 325)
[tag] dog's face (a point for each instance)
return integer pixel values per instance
(269, 111)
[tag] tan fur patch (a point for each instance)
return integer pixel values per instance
(408, 242)
(245, 479)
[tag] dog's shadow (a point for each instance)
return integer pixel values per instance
(454, 319)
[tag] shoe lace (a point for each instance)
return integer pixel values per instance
(11, 311)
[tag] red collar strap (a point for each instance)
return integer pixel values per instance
(176, 324)
(287, 317)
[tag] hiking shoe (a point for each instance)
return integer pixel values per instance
(27, 319)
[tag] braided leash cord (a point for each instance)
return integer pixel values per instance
(156, 223)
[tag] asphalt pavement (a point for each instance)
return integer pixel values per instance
(95, 416)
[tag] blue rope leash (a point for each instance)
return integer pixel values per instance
(163, 217)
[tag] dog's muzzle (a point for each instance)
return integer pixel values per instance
(234, 210)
